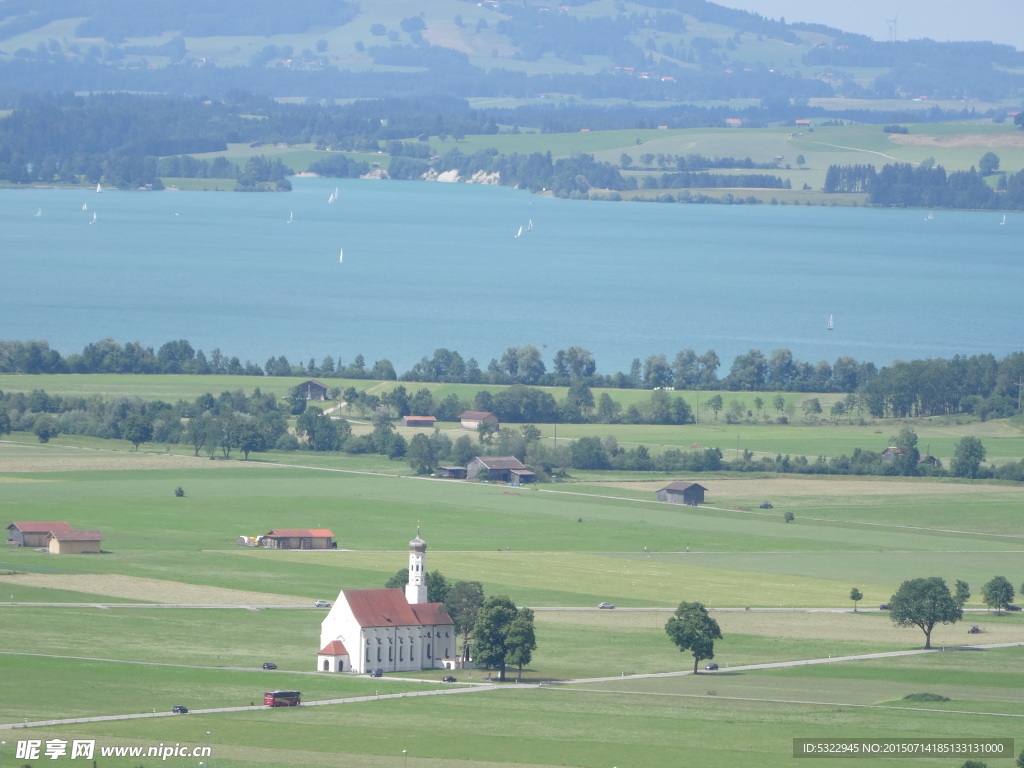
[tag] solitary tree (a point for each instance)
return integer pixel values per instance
(988, 164)
(692, 629)
(924, 603)
(968, 454)
(498, 638)
(137, 429)
(856, 595)
(715, 404)
(997, 593)
(45, 428)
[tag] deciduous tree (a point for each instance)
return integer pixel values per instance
(692, 629)
(463, 604)
(924, 603)
(502, 635)
(968, 453)
(856, 595)
(997, 593)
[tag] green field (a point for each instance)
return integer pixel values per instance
(202, 625)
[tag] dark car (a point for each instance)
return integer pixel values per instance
(448, 679)
(1013, 607)
(269, 665)
(180, 710)
(883, 607)
(712, 667)
(378, 672)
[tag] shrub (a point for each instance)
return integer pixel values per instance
(925, 697)
(789, 517)
(179, 491)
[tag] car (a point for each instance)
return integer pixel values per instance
(883, 607)
(269, 665)
(321, 604)
(448, 679)
(378, 672)
(1013, 607)
(712, 667)
(180, 710)
(605, 605)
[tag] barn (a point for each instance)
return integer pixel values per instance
(501, 469)
(28, 534)
(680, 492)
(73, 542)
(299, 538)
(473, 419)
(311, 389)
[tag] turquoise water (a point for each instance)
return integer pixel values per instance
(438, 265)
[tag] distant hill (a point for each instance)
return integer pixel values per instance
(641, 50)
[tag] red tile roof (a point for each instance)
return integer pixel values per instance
(298, 533)
(39, 527)
(380, 607)
(76, 535)
(333, 648)
(432, 613)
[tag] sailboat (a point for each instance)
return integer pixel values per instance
(1003, 221)
(831, 325)
(98, 187)
(333, 197)
(520, 232)
(39, 212)
(85, 206)
(929, 217)
(291, 216)
(529, 226)
(93, 218)
(341, 256)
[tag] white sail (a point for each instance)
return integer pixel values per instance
(1004, 220)
(93, 218)
(341, 256)
(331, 198)
(520, 232)
(85, 206)
(529, 226)
(98, 187)
(291, 216)
(39, 211)
(831, 324)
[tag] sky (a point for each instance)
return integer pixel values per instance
(1000, 21)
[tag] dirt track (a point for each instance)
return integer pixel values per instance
(982, 140)
(757, 488)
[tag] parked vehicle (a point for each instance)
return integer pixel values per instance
(282, 698)
(378, 672)
(1013, 607)
(269, 665)
(448, 679)
(712, 667)
(883, 607)
(180, 710)
(322, 604)
(605, 605)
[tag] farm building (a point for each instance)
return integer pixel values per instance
(502, 469)
(418, 421)
(73, 542)
(387, 629)
(22, 534)
(473, 419)
(311, 389)
(298, 538)
(682, 493)
(455, 473)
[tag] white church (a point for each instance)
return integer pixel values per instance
(368, 629)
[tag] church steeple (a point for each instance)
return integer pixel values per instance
(416, 589)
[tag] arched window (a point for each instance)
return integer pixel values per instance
(428, 650)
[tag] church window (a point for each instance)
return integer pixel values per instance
(378, 654)
(428, 650)
(391, 654)
(367, 650)
(401, 653)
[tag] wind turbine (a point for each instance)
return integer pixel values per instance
(892, 26)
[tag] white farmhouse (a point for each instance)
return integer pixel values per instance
(370, 629)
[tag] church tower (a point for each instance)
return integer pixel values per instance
(416, 589)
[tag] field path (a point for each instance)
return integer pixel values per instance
(560, 685)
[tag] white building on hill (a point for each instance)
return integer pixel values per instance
(370, 629)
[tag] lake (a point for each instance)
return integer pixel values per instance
(429, 265)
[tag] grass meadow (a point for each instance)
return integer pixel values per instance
(174, 612)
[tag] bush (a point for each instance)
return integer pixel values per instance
(179, 491)
(789, 517)
(766, 505)
(287, 443)
(925, 697)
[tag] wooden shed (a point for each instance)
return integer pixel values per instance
(299, 538)
(74, 542)
(27, 534)
(500, 469)
(455, 473)
(473, 419)
(311, 389)
(418, 421)
(681, 492)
